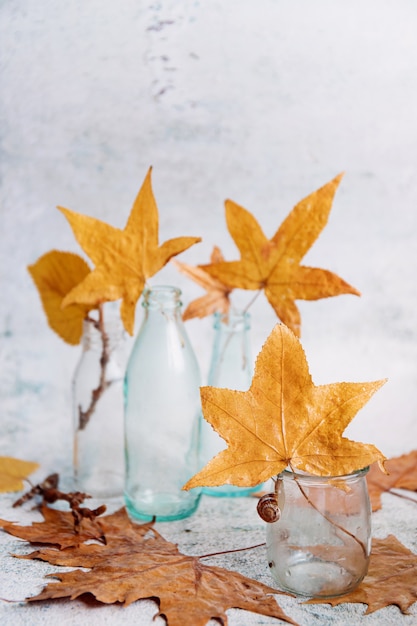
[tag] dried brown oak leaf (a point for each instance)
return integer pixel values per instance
(57, 528)
(137, 563)
(123, 259)
(274, 264)
(12, 473)
(217, 296)
(391, 578)
(402, 474)
(55, 274)
(284, 419)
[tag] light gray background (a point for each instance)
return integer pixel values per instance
(262, 102)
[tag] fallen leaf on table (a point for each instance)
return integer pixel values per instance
(124, 259)
(284, 419)
(391, 578)
(12, 473)
(57, 528)
(274, 264)
(217, 296)
(137, 563)
(402, 474)
(55, 274)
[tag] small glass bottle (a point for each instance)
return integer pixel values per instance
(231, 367)
(320, 544)
(97, 392)
(162, 409)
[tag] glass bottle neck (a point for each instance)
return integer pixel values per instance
(232, 322)
(162, 298)
(93, 336)
(231, 363)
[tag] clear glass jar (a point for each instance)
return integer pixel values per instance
(321, 543)
(230, 367)
(97, 394)
(162, 413)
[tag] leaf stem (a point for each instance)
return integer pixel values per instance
(206, 556)
(328, 519)
(250, 303)
(402, 495)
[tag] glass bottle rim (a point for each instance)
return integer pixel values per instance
(91, 336)
(161, 295)
(308, 477)
(231, 318)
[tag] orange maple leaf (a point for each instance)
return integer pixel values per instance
(402, 474)
(13, 471)
(391, 578)
(124, 259)
(217, 296)
(274, 265)
(57, 528)
(55, 274)
(137, 562)
(284, 419)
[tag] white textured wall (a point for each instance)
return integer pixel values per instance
(260, 101)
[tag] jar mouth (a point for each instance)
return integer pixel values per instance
(307, 477)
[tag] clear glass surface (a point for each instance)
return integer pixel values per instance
(162, 409)
(230, 367)
(321, 544)
(97, 393)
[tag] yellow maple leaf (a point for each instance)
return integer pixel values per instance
(274, 264)
(12, 473)
(123, 259)
(284, 420)
(217, 296)
(55, 274)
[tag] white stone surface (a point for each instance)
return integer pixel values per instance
(219, 524)
(262, 102)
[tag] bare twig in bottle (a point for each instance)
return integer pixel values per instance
(84, 416)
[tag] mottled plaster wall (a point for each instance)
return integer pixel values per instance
(262, 102)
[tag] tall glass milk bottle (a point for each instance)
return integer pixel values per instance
(162, 409)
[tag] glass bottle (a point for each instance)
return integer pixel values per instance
(321, 542)
(231, 367)
(162, 409)
(97, 393)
